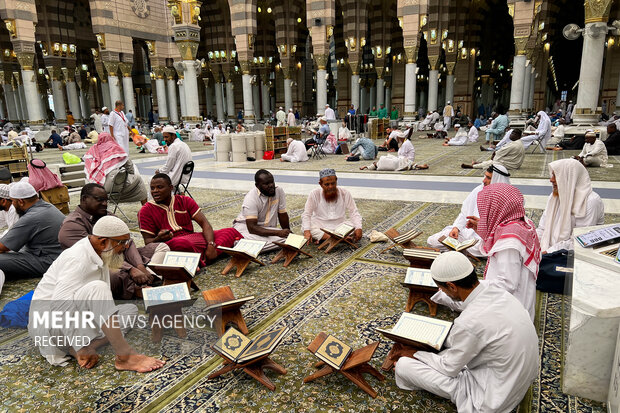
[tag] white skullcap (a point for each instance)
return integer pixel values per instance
(289, 140)
(281, 108)
(457, 125)
(110, 226)
(4, 191)
(103, 109)
(448, 102)
(326, 105)
(22, 190)
(169, 129)
(290, 110)
(451, 266)
(590, 132)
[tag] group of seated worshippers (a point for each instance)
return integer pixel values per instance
(429, 121)
(509, 152)
(391, 143)
(296, 151)
(402, 162)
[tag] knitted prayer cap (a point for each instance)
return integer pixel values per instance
(457, 125)
(169, 129)
(451, 266)
(326, 172)
(22, 190)
(4, 191)
(110, 226)
(590, 132)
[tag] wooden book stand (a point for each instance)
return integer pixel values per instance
(287, 253)
(354, 367)
(334, 240)
(388, 364)
(240, 260)
(393, 235)
(253, 368)
(421, 262)
(170, 311)
(419, 293)
(230, 313)
(175, 275)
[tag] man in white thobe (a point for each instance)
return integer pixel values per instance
(542, 133)
(291, 118)
(105, 119)
(178, 155)
(296, 151)
(459, 139)
(77, 284)
(490, 357)
(118, 126)
(594, 152)
(472, 135)
(448, 114)
(8, 214)
(572, 204)
(281, 117)
(329, 113)
(96, 117)
(458, 230)
(263, 207)
(327, 207)
(426, 123)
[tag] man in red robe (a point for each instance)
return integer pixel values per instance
(168, 218)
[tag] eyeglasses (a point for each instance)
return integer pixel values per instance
(122, 242)
(99, 198)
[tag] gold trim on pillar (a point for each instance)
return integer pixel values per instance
(321, 61)
(126, 68)
(187, 48)
(100, 40)
(379, 72)
(160, 71)
(410, 53)
(354, 67)
(26, 60)
(520, 43)
(11, 28)
(111, 67)
(287, 72)
(245, 66)
(170, 72)
(597, 10)
(433, 60)
(450, 66)
(68, 74)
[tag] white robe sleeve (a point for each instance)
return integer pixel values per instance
(504, 270)
(306, 217)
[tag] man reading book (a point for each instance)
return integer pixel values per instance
(262, 209)
(490, 357)
(458, 230)
(128, 281)
(169, 218)
(327, 208)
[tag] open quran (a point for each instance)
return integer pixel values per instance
(248, 247)
(239, 348)
(419, 277)
(166, 294)
(343, 230)
(181, 265)
(421, 253)
(424, 333)
(455, 245)
(295, 241)
(333, 352)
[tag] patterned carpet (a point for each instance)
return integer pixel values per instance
(446, 160)
(348, 293)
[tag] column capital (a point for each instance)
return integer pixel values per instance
(54, 72)
(160, 71)
(26, 60)
(433, 60)
(450, 66)
(287, 71)
(520, 43)
(354, 65)
(597, 10)
(410, 52)
(379, 72)
(321, 61)
(112, 67)
(18, 78)
(68, 74)
(170, 72)
(206, 81)
(245, 66)
(126, 68)
(188, 49)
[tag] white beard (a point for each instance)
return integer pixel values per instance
(112, 260)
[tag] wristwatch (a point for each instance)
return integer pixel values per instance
(212, 243)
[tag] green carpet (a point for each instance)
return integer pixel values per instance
(445, 160)
(348, 293)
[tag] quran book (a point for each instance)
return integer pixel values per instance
(454, 243)
(419, 276)
(407, 236)
(238, 302)
(419, 331)
(176, 264)
(240, 349)
(295, 241)
(420, 253)
(166, 294)
(343, 230)
(599, 236)
(247, 246)
(333, 352)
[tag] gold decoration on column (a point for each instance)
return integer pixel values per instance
(450, 66)
(150, 46)
(597, 10)
(354, 67)
(111, 67)
(520, 43)
(100, 40)
(321, 61)
(2, 81)
(26, 60)
(54, 72)
(245, 66)
(188, 49)
(433, 60)
(68, 74)
(126, 68)
(170, 72)
(11, 28)
(287, 72)
(18, 78)
(410, 53)
(160, 71)
(379, 72)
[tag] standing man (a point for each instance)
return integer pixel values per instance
(178, 155)
(291, 117)
(448, 113)
(329, 113)
(394, 113)
(281, 117)
(119, 128)
(70, 118)
(96, 117)
(105, 119)
(262, 209)
(383, 113)
(156, 117)
(131, 120)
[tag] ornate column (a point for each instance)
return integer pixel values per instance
(230, 93)
(433, 83)
(526, 86)
(84, 90)
(208, 95)
(532, 89)
(288, 88)
(597, 14)
(182, 97)
(59, 100)
(248, 102)
(355, 85)
(256, 97)
(518, 79)
(17, 95)
(321, 82)
(31, 92)
(113, 82)
(172, 95)
(190, 89)
(450, 82)
(9, 95)
(410, 84)
(219, 100)
(372, 89)
(105, 87)
(380, 88)
(130, 102)
(388, 97)
(264, 88)
(160, 87)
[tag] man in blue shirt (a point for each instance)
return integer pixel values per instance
(365, 148)
(54, 141)
(321, 135)
(131, 120)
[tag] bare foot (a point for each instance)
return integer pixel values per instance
(138, 362)
(557, 149)
(59, 148)
(363, 167)
(425, 166)
(444, 144)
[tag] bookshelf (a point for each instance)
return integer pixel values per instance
(16, 159)
(276, 136)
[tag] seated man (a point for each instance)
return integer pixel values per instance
(168, 218)
(458, 230)
(594, 152)
(511, 155)
(198, 134)
(321, 135)
(8, 215)
(391, 143)
(364, 148)
(178, 155)
(612, 143)
(426, 123)
(472, 135)
(327, 207)
(55, 141)
(404, 161)
(31, 245)
(262, 208)
(495, 147)
(79, 283)
(92, 136)
(128, 281)
(572, 204)
(459, 139)
(543, 132)
(497, 128)
(296, 151)
(557, 135)
(490, 356)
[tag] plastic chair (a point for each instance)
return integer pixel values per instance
(120, 181)
(188, 170)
